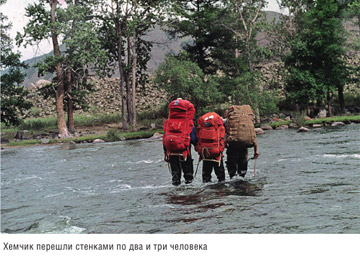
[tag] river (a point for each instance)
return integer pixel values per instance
(305, 183)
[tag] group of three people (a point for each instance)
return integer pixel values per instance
(209, 138)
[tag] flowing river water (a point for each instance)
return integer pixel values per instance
(304, 183)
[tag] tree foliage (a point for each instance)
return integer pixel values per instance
(13, 94)
(316, 64)
(72, 25)
(123, 26)
(182, 78)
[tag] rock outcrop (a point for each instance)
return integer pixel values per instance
(105, 98)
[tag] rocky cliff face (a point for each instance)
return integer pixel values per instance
(105, 99)
(106, 96)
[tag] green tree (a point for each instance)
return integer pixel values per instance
(74, 23)
(354, 9)
(13, 94)
(223, 44)
(200, 20)
(44, 24)
(181, 78)
(82, 55)
(124, 24)
(243, 21)
(316, 64)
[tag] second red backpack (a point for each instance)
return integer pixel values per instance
(178, 126)
(210, 132)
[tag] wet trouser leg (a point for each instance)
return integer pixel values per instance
(188, 169)
(206, 171)
(232, 161)
(175, 169)
(242, 161)
(219, 170)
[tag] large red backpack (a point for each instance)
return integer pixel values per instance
(210, 132)
(177, 128)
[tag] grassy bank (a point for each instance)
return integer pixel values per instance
(108, 137)
(323, 121)
(101, 123)
(79, 120)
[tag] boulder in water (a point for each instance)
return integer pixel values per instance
(303, 129)
(337, 123)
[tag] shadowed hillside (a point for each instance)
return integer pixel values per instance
(162, 45)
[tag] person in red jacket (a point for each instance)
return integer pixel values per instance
(179, 134)
(178, 164)
(210, 133)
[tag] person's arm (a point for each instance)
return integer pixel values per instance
(193, 138)
(166, 159)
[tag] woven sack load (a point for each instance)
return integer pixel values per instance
(240, 126)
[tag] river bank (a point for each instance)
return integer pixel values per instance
(112, 131)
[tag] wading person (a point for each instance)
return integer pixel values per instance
(210, 132)
(240, 135)
(179, 134)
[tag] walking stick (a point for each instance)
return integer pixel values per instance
(255, 168)
(169, 168)
(197, 167)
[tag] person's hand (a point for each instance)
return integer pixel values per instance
(256, 155)
(166, 158)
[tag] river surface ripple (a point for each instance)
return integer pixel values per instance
(304, 183)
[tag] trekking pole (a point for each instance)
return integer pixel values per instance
(166, 158)
(197, 167)
(169, 168)
(255, 168)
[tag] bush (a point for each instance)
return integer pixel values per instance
(159, 112)
(268, 103)
(299, 118)
(39, 123)
(112, 135)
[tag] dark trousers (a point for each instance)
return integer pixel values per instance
(237, 161)
(207, 169)
(177, 164)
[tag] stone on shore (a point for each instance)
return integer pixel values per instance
(293, 126)
(98, 141)
(282, 127)
(266, 127)
(45, 141)
(317, 125)
(259, 131)
(157, 135)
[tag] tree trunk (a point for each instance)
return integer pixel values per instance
(134, 63)
(121, 70)
(128, 89)
(70, 121)
(341, 99)
(329, 103)
(63, 130)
